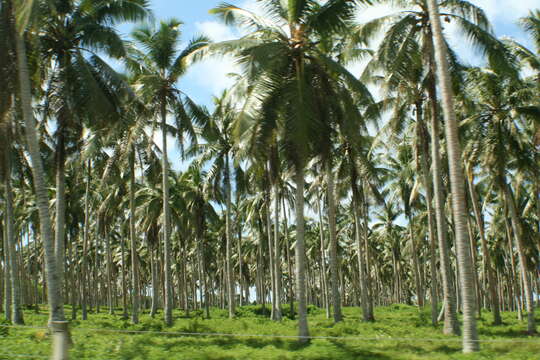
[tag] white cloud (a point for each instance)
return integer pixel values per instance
(507, 11)
(216, 31)
(213, 74)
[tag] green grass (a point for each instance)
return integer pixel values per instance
(397, 321)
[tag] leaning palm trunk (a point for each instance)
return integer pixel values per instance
(166, 219)
(451, 325)
(14, 279)
(416, 269)
(459, 207)
(336, 298)
(133, 242)
(422, 135)
(518, 235)
(488, 269)
(228, 255)
(38, 174)
(54, 294)
(300, 256)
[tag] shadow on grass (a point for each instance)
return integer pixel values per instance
(357, 353)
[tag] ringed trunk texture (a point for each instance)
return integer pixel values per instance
(451, 325)
(42, 200)
(133, 242)
(336, 297)
(300, 257)
(168, 300)
(229, 239)
(488, 269)
(14, 278)
(432, 232)
(518, 235)
(457, 181)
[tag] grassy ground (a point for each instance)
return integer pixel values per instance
(397, 321)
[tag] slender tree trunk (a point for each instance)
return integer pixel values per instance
(451, 325)
(290, 283)
(154, 280)
(270, 244)
(54, 294)
(168, 300)
(416, 270)
(488, 269)
(14, 279)
(336, 297)
(366, 302)
(459, 207)
(110, 300)
(7, 272)
(133, 242)
(518, 235)
(277, 254)
(60, 227)
(84, 262)
(240, 260)
(422, 135)
(324, 281)
(229, 239)
(124, 281)
(300, 254)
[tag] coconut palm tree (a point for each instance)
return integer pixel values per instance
(216, 153)
(157, 65)
(457, 182)
(502, 107)
(278, 64)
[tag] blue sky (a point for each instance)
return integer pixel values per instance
(210, 77)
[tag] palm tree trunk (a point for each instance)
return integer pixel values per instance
(84, 263)
(229, 238)
(7, 272)
(488, 269)
(110, 303)
(239, 252)
(324, 281)
(290, 283)
(518, 235)
(168, 300)
(300, 255)
(124, 281)
(416, 269)
(53, 280)
(60, 226)
(459, 206)
(277, 254)
(14, 279)
(133, 242)
(432, 232)
(336, 297)
(451, 325)
(154, 281)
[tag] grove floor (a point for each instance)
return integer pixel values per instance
(414, 337)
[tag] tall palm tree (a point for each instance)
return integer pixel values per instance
(81, 84)
(457, 182)
(279, 65)
(502, 107)
(216, 153)
(157, 66)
